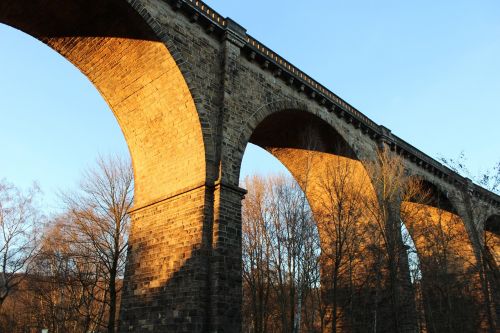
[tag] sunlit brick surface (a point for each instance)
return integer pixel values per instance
(189, 95)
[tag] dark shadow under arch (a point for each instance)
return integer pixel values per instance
(431, 195)
(45, 19)
(300, 130)
(492, 224)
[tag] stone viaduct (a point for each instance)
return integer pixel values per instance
(190, 89)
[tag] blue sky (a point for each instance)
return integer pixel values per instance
(428, 70)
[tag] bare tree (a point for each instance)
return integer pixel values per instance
(66, 287)
(489, 178)
(256, 254)
(98, 220)
(341, 197)
(477, 213)
(280, 255)
(20, 221)
(449, 283)
(390, 181)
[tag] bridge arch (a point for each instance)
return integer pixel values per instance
(186, 235)
(142, 78)
(304, 141)
(310, 149)
(491, 262)
(328, 169)
(492, 240)
(447, 259)
(146, 83)
(277, 110)
(430, 194)
(492, 224)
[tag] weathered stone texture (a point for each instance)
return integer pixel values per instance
(166, 284)
(190, 90)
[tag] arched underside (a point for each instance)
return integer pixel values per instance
(319, 158)
(136, 74)
(330, 174)
(313, 152)
(492, 224)
(435, 226)
(492, 239)
(436, 232)
(140, 80)
(451, 297)
(429, 194)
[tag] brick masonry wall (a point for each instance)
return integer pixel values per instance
(188, 100)
(167, 274)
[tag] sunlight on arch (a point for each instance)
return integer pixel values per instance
(54, 121)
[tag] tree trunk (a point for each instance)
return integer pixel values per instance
(112, 301)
